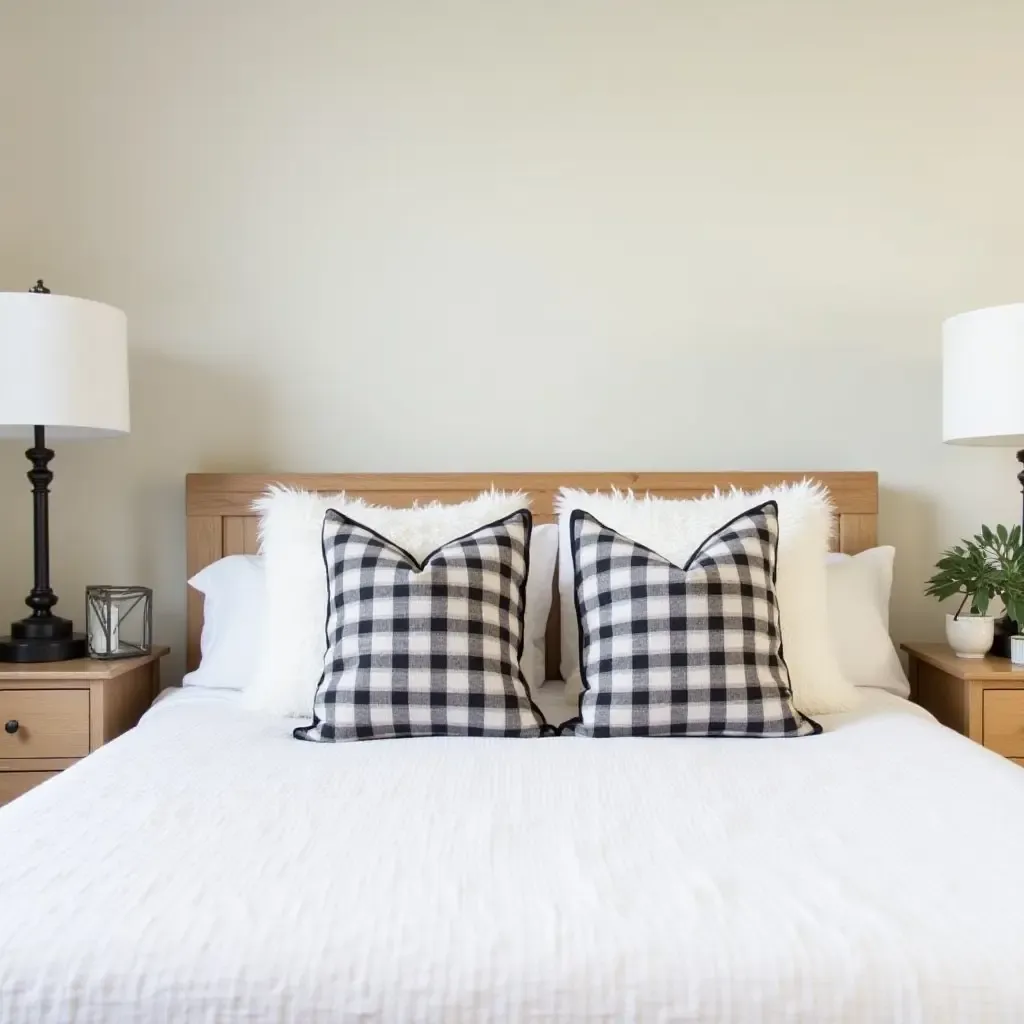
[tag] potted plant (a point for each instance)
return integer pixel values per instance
(990, 565)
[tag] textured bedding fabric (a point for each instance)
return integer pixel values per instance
(207, 867)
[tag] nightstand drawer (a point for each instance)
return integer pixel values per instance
(49, 723)
(1004, 722)
(13, 784)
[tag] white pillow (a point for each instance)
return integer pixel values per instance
(294, 643)
(234, 610)
(539, 593)
(675, 529)
(858, 616)
(876, 563)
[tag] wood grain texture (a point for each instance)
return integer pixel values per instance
(975, 696)
(14, 676)
(981, 698)
(241, 535)
(204, 544)
(1004, 721)
(232, 494)
(67, 709)
(913, 668)
(251, 536)
(118, 704)
(939, 655)
(51, 723)
(857, 532)
(220, 520)
(233, 536)
(14, 784)
(945, 696)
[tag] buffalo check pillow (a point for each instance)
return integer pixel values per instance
(429, 648)
(682, 651)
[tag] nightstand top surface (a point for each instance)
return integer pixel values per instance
(942, 657)
(80, 668)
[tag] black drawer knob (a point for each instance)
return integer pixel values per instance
(12, 727)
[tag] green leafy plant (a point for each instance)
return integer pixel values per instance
(988, 566)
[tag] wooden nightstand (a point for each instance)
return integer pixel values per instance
(983, 698)
(52, 714)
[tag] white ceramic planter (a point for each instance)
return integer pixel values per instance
(970, 636)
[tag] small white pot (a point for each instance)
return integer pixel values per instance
(970, 636)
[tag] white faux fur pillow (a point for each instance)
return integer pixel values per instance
(291, 522)
(674, 529)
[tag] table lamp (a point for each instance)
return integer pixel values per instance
(982, 397)
(64, 369)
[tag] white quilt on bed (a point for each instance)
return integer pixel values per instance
(207, 867)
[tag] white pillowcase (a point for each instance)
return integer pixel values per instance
(234, 612)
(858, 614)
(294, 644)
(676, 528)
(539, 594)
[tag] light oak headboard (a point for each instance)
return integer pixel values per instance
(221, 521)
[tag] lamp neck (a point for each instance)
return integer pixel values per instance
(42, 597)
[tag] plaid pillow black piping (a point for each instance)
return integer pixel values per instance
(427, 648)
(691, 651)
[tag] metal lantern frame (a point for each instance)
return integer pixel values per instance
(98, 602)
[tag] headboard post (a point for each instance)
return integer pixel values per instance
(220, 520)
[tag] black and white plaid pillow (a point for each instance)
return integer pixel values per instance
(424, 649)
(691, 651)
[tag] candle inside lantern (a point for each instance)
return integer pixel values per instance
(97, 637)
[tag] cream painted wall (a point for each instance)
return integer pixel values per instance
(477, 235)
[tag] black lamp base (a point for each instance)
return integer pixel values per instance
(29, 651)
(42, 638)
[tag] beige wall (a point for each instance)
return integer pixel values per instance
(478, 235)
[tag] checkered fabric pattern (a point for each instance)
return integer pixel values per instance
(692, 651)
(424, 649)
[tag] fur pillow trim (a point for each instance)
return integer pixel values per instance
(291, 522)
(674, 528)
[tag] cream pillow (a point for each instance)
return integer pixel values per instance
(858, 615)
(675, 529)
(291, 521)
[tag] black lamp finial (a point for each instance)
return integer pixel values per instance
(39, 288)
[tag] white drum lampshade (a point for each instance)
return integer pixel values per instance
(64, 370)
(982, 374)
(982, 398)
(65, 366)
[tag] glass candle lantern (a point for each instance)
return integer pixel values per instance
(119, 621)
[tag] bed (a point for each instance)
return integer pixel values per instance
(207, 867)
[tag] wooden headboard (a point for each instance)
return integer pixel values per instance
(221, 521)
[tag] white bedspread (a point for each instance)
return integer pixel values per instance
(207, 867)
